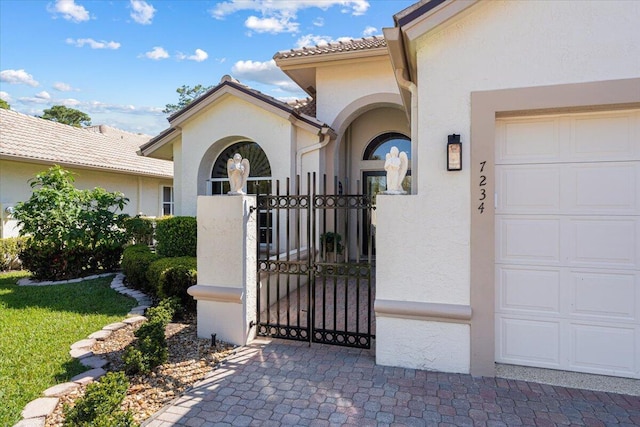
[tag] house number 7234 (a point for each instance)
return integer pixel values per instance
(482, 183)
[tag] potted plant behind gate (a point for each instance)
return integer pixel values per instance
(331, 246)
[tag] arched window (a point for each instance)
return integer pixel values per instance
(379, 146)
(259, 181)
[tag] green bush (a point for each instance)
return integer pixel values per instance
(136, 260)
(177, 236)
(10, 247)
(165, 311)
(140, 231)
(81, 227)
(100, 406)
(171, 277)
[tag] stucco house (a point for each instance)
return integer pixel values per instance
(527, 255)
(100, 156)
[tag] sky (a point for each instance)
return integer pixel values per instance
(121, 61)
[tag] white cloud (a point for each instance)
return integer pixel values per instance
(319, 22)
(280, 16)
(318, 40)
(43, 95)
(16, 77)
(63, 87)
(69, 10)
(142, 12)
(199, 56)
(266, 72)
(267, 7)
(157, 53)
(70, 102)
(370, 31)
(5, 96)
(271, 25)
(93, 44)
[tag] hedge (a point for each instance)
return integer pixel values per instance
(10, 247)
(140, 230)
(136, 260)
(171, 277)
(177, 236)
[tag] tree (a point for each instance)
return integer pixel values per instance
(70, 232)
(4, 104)
(67, 116)
(186, 95)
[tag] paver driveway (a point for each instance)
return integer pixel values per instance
(286, 383)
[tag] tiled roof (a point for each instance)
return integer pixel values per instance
(367, 43)
(96, 147)
(304, 106)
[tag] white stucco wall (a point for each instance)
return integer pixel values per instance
(497, 45)
(341, 84)
(143, 192)
(228, 121)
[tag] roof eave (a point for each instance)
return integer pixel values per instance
(158, 142)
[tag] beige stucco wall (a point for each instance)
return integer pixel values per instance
(497, 45)
(228, 121)
(143, 192)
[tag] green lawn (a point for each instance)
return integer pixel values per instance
(37, 326)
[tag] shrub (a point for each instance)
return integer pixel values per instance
(177, 236)
(140, 230)
(10, 247)
(171, 277)
(164, 311)
(100, 406)
(136, 260)
(70, 223)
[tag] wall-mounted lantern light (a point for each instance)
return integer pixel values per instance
(454, 153)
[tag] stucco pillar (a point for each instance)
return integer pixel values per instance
(226, 289)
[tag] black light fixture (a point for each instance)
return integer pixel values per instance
(454, 153)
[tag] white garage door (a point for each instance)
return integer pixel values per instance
(568, 242)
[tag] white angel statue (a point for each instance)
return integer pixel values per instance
(238, 172)
(396, 166)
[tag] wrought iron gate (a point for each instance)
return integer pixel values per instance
(315, 269)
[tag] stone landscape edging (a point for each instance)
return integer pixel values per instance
(36, 412)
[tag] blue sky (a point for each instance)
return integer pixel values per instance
(121, 61)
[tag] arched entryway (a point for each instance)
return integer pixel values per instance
(259, 181)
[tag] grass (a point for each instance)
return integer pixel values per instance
(37, 326)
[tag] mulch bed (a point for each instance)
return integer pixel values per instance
(190, 359)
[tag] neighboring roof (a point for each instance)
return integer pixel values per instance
(29, 138)
(352, 45)
(301, 110)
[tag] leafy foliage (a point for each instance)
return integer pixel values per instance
(177, 236)
(10, 247)
(140, 230)
(171, 277)
(79, 231)
(186, 95)
(100, 406)
(150, 349)
(67, 116)
(4, 104)
(136, 260)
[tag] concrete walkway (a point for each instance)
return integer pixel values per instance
(286, 383)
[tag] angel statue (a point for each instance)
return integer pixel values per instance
(238, 172)
(396, 166)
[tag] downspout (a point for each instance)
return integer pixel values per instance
(413, 90)
(325, 137)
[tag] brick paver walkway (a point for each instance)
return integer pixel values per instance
(277, 383)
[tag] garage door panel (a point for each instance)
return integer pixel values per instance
(609, 243)
(524, 189)
(527, 289)
(609, 296)
(590, 134)
(605, 350)
(528, 240)
(526, 341)
(567, 248)
(534, 139)
(601, 188)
